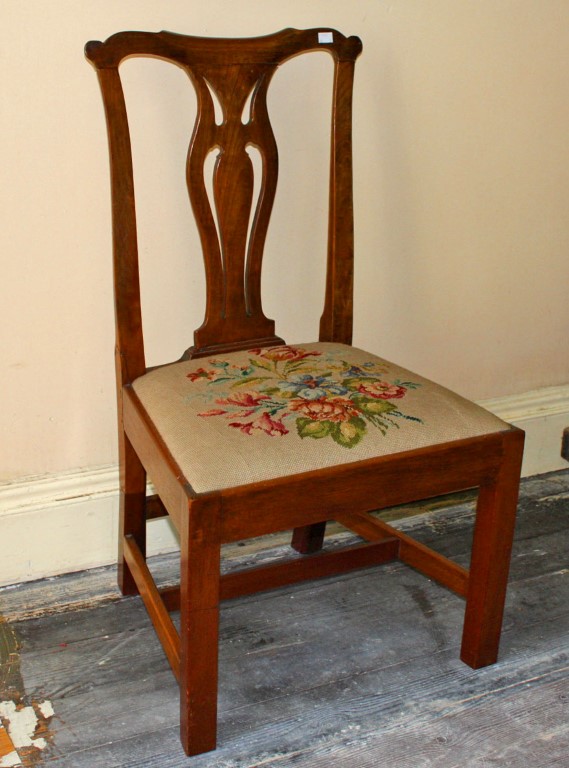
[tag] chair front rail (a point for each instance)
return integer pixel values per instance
(363, 486)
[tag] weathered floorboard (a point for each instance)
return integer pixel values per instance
(359, 670)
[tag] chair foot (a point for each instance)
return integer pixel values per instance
(309, 538)
(198, 683)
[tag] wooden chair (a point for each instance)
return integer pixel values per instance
(246, 435)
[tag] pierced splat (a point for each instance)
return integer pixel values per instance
(232, 249)
(231, 78)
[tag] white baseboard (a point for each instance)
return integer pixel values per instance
(543, 414)
(68, 522)
(64, 523)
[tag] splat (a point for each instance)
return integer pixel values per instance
(232, 250)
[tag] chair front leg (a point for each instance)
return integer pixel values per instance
(199, 617)
(490, 559)
(132, 511)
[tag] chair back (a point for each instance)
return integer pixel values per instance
(231, 78)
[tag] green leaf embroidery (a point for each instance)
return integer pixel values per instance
(248, 382)
(309, 428)
(349, 433)
(262, 364)
(374, 407)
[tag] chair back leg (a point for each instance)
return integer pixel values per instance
(308, 538)
(132, 510)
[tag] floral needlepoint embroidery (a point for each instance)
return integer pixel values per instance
(289, 387)
(201, 373)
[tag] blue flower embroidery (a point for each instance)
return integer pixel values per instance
(310, 387)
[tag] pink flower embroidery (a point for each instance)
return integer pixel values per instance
(381, 390)
(264, 423)
(283, 353)
(248, 401)
(244, 399)
(213, 412)
(325, 409)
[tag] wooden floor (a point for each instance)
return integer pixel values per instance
(358, 671)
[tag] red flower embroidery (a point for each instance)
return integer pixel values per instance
(381, 390)
(283, 353)
(249, 401)
(264, 423)
(330, 409)
(201, 373)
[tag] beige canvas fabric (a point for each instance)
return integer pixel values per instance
(261, 414)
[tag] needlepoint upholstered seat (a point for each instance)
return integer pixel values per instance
(271, 412)
(247, 434)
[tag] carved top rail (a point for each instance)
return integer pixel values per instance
(234, 75)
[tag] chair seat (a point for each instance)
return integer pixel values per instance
(255, 415)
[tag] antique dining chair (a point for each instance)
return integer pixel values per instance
(246, 435)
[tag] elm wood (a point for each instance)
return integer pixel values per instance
(490, 558)
(249, 581)
(541, 527)
(124, 696)
(413, 553)
(199, 624)
(387, 481)
(157, 611)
